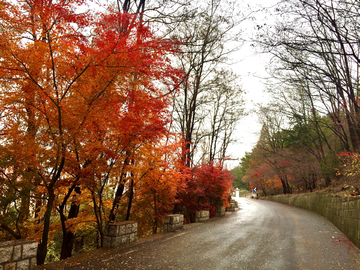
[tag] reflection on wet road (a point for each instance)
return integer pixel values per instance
(261, 235)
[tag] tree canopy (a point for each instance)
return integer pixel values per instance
(86, 116)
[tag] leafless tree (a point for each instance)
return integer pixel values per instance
(316, 42)
(204, 36)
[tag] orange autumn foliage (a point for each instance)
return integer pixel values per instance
(75, 106)
(84, 113)
(158, 179)
(262, 176)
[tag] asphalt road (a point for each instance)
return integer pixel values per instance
(261, 235)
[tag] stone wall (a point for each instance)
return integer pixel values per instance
(173, 222)
(233, 205)
(18, 255)
(220, 211)
(343, 212)
(202, 216)
(120, 233)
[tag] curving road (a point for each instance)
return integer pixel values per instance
(261, 235)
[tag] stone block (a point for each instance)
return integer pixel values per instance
(113, 230)
(173, 222)
(342, 221)
(125, 239)
(32, 263)
(232, 208)
(202, 216)
(235, 203)
(10, 266)
(351, 204)
(128, 228)
(119, 233)
(220, 211)
(6, 252)
(23, 265)
(338, 205)
(122, 229)
(354, 224)
(167, 219)
(357, 204)
(17, 253)
(116, 241)
(29, 250)
(132, 237)
(135, 227)
(356, 213)
(176, 219)
(352, 236)
(107, 241)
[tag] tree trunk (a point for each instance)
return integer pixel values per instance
(118, 195)
(286, 185)
(42, 248)
(327, 181)
(131, 195)
(119, 190)
(68, 236)
(353, 134)
(283, 185)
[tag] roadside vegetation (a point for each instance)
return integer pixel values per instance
(104, 115)
(310, 137)
(125, 110)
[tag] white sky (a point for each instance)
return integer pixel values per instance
(248, 129)
(251, 68)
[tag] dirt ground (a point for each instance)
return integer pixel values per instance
(345, 186)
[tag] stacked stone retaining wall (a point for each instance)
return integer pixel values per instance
(18, 255)
(202, 216)
(120, 233)
(343, 212)
(173, 222)
(220, 211)
(233, 206)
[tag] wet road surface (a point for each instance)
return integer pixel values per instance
(261, 235)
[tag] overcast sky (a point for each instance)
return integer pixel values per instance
(251, 67)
